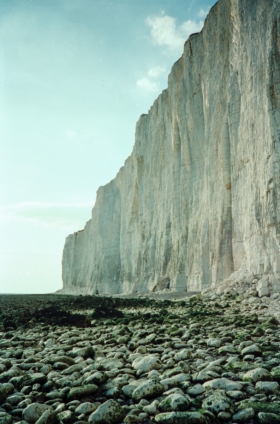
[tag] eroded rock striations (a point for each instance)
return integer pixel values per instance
(198, 200)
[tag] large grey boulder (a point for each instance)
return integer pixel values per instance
(146, 363)
(223, 384)
(174, 402)
(79, 392)
(257, 374)
(147, 390)
(244, 415)
(5, 418)
(5, 390)
(267, 387)
(110, 412)
(268, 418)
(34, 411)
(192, 417)
(48, 417)
(217, 402)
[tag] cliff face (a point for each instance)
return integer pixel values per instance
(199, 197)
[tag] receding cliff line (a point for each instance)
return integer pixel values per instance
(198, 200)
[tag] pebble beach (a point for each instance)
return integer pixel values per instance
(201, 358)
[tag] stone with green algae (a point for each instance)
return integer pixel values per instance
(273, 408)
(268, 418)
(190, 417)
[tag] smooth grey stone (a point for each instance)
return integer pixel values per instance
(193, 417)
(110, 412)
(268, 418)
(243, 415)
(5, 418)
(34, 411)
(174, 402)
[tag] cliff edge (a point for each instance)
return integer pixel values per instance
(198, 200)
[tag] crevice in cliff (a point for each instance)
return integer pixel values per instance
(273, 96)
(225, 268)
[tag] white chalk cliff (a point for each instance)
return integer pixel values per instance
(199, 197)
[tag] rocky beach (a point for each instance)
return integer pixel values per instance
(187, 358)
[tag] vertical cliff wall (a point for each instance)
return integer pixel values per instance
(199, 197)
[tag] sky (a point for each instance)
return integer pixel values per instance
(75, 76)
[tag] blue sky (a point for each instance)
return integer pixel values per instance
(75, 75)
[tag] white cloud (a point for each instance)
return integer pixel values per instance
(71, 133)
(190, 27)
(203, 13)
(156, 72)
(55, 215)
(165, 32)
(150, 83)
(147, 86)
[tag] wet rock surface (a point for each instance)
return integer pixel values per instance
(202, 359)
